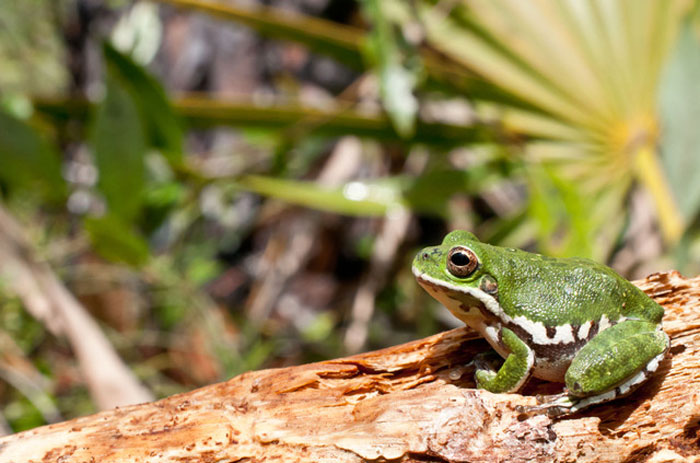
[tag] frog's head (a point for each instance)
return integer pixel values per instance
(456, 272)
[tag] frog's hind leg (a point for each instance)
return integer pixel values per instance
(611, 365)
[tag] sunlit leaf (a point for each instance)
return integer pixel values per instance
(28, 160)
(427, 193)
(591, 69)
(354, 198)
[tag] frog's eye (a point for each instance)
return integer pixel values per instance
(461, 261)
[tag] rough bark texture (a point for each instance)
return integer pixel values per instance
(413, 402)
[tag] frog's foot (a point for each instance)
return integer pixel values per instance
(552, 405)
(563, 404)
(557, 405)
(567, 404)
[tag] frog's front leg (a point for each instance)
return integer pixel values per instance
(611, 365)
(515, 370)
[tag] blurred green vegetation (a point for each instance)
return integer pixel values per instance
(212, 234)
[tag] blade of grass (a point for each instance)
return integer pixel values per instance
(427, 193)
(207, 113)
(352, 199)
(650, 172)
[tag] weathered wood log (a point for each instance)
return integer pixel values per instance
(414, 402)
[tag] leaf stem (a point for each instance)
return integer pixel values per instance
(651, 174)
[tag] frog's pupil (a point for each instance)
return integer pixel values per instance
(460, 259)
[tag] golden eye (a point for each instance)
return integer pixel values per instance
(461, 261)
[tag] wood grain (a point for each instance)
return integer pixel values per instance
(413, 402)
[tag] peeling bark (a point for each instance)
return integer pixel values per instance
(412, 403)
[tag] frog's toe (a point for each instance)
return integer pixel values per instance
(551, 405)
(543, 399)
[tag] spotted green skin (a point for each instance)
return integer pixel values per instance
(571, 320)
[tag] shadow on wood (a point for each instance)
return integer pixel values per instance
(413, 402)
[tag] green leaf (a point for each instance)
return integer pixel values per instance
(208, 113)
(396, 68)
(160, 121)
(28, 160)
(679, 103)
(427, 193)
(296, 120)
(119, 148)
(116, 241)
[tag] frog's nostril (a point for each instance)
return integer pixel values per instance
(425, 256)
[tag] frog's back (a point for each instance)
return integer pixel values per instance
(567, 291)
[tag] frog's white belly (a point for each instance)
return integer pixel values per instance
(552, 370)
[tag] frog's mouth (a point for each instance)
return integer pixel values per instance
(473, 307)
(461, 301)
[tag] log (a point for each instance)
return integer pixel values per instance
(411, 403)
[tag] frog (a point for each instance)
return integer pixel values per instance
(566, 320)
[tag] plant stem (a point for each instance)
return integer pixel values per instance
(650, 172)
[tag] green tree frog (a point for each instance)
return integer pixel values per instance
(565, 320)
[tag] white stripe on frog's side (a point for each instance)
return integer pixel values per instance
(584, 330)
(654, 363)
(564, 334)
(604, 323)
(490, 333)
(627, 386)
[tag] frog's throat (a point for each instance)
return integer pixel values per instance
(562, 335)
